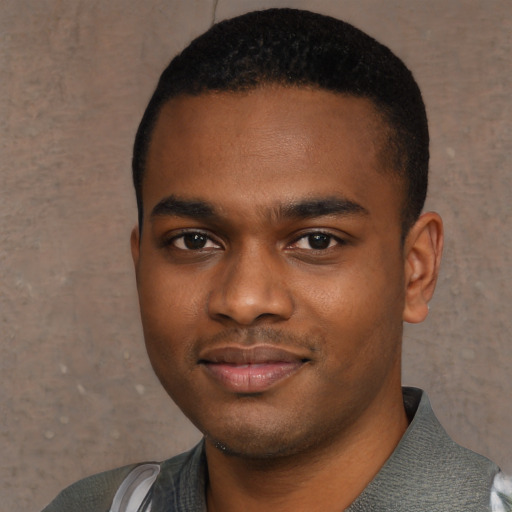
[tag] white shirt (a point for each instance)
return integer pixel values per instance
(501, 493)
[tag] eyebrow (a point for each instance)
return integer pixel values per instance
(319, 207)
(305, 209)
(175, 207)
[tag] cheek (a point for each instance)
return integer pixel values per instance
(170, 309)
(343, 297)
(358, 310)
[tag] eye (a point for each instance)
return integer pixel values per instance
(316, 241)
(193, 241)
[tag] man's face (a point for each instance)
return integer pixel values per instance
(270, 269)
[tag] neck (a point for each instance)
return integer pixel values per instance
(324, 478)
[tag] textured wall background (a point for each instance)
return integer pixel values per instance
(77, 393)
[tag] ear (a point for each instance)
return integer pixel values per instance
(135, 245)
(422, 250)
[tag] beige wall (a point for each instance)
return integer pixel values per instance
(77, 393)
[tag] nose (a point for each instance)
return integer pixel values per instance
(251, 289)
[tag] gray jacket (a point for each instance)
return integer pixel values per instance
(427, 472)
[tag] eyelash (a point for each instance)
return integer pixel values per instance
(172, 241)
(326, 235)
(329, 237)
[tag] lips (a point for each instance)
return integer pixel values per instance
(250, 369)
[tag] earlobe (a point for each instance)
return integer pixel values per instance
(423, 249)
(135, 245)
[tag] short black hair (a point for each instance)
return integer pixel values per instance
(296, 48)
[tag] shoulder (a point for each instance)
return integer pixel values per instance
(454, 472)
(428, 470)
(92, 494)
(96, 493)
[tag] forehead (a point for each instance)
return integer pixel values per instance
(268, 144)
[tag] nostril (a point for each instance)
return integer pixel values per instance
(265, 316)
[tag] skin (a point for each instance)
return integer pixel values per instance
(270, 226)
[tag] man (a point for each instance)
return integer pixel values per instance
(280, 170)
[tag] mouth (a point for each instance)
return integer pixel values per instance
(250, 370)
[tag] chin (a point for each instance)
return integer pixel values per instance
(263, 444)
(254, 451)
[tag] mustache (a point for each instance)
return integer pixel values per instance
(260, 335)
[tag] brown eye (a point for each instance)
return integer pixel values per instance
(319, 241)
(194, 241)
(316, 241)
